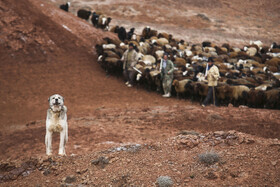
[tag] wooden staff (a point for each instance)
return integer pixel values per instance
(214, 95)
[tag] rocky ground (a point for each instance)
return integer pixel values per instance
(120, 136)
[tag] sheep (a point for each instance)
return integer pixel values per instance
(263, 87)
(148, 59)
(206, 44)
(256, 98)
(180, 62)
(148, 33)
(162, 41)
(209, 49)
(109, 46)
(202, 90)
(223, 93)
(258, 43)
(103, 22)
(180, 86)
(114, 41)
(159, 54)
(121, 33)
(84, 14)
(165, 35)
(152, 79)
(65, 7)
(109, 53)
(130, 33)
(227, 46)
(274, 46)
(95, 19)
(112, 65)
(252, 51)
(273, 99)
(273, 62)
(239, 94)
(274, 54)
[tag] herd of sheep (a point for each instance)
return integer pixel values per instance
(98, 20)
(248, 76)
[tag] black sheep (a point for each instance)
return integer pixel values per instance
(275, 46)
(84, 14)
(206, 44)
(94, 19)
(121, 33)
(130, 33)
(65, 7)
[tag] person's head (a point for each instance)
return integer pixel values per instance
(165, 56)
(210, 61)
(131, 46)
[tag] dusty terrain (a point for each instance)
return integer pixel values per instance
(217, 21)
(44, 50)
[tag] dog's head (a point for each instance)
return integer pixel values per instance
(56, 102)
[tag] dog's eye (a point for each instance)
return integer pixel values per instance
(58, 97)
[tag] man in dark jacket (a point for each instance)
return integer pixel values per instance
(166, 69)
(129, 61)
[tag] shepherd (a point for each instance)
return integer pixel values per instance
(129, 61)
(166, 69)
(212, 75)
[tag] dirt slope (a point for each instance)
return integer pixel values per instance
(219, 21)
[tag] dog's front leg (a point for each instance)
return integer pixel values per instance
(62, 143)
(48, 143)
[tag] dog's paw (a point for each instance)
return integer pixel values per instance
(61, 154)
(49, 154)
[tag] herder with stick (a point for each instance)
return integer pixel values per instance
(212, 74)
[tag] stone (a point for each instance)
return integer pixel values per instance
(101, 162)
(70, 179)
(274, 163)
(164, 181)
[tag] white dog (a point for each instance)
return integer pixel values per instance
(56, 122)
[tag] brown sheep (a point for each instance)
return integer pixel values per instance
(276, 50)
(115, 41)
(256, 98)
(180, 62)
(165, 35)
(273, 62)
(239, 94)
(227, 46)
(273, 99)
(109, 53)
(180, 86)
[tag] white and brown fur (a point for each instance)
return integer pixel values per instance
(56, 122)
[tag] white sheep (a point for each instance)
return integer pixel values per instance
(109, 46)
(251, 51)
(258, 43)
(162, 41)
(148, 59)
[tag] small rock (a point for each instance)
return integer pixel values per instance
(46, 172)
(70, 179)
(274, 163)
(164, 181)
(101, 162)
(243, 106)
(211, 175)
(230, 105)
